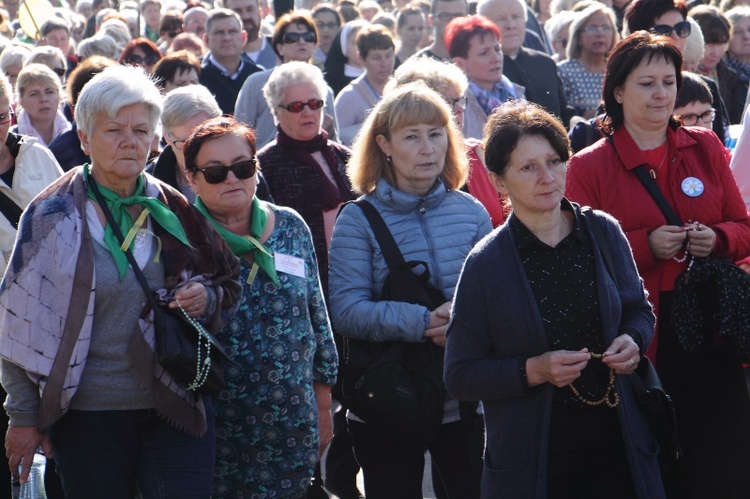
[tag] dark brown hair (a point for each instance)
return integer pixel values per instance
(173, 64)
(512, 121)
(282, 24)
(213, 129)
(625, 57)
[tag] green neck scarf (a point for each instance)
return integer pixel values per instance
(119, 208)
(242, 245)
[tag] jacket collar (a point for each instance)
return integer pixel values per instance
(402, 201)
(631, 155)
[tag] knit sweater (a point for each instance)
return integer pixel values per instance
(496, 325)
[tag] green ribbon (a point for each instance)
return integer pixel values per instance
(242, 245)
(119, 208)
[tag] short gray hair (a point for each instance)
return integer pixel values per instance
(6, 89)
(438, 75)
(37, 73)
(47, 54)
(737, 14)
(481, 4)
(292, 73)
(695, 46)
(573, 50)
(12, 55)
(114, 88)
(183, 103)
(99, 44)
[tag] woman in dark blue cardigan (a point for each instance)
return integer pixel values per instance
(543, 335)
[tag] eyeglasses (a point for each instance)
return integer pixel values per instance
(148, 60)
(218, 174)
(307, 36)
(330, 25)
(59, 71)
(6, 118)
(681, 29)
(460, 102)
(177, 143)
(692, 119)
(447, 17)
(299, 106)
(595, 30)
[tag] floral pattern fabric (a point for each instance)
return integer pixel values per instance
(280, 340)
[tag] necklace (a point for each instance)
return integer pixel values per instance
(653, 171)
(610, 398)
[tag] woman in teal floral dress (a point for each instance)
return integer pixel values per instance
(274, 418)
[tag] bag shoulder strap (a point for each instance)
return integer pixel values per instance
(652, 189)
(116, 229)
(656, 195)
(10, 209)
(393, 257)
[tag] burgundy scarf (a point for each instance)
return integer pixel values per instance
(300, 151)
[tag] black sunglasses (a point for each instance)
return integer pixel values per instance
(298, 106)
(307, 36)
(218, 174)
(59, 71)
(681, 29)
(148, 60)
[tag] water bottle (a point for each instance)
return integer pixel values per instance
(34, 487)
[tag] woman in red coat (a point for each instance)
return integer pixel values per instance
(689, 166)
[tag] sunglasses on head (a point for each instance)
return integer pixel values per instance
(298, 106)
(148, 60)
(218, 174)
(307, 36)
(681, 29)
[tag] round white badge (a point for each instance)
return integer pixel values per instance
(692, 187)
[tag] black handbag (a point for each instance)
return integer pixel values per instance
(189, 353)
(655, 403)
(397, 387)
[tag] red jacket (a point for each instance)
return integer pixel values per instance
(600, 176)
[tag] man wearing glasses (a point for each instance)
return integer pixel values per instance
(224, 69)
(443, 12)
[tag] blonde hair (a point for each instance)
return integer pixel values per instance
(411, 104)
(39, 74)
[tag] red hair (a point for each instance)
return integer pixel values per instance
(460, 31)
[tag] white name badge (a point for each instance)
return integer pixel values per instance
(289, 264)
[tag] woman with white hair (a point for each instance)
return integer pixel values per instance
(82, 379)
(39, 93)
(303, 168)
(12, 59)
(99, 44)
(184, 109)
(592, 33)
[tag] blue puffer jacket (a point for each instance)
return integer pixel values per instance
(439, 229)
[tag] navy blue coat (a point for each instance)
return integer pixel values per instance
(496, 325)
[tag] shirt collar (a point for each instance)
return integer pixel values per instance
(225, 71)
(524, 237)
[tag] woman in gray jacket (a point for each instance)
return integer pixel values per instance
(408, 161)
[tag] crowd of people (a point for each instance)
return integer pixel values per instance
(222, 154)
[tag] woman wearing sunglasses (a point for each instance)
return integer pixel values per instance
(304, 169)
(669, 18)
(294, 39)
(39, 93)
(275, 413)
(141, 52)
